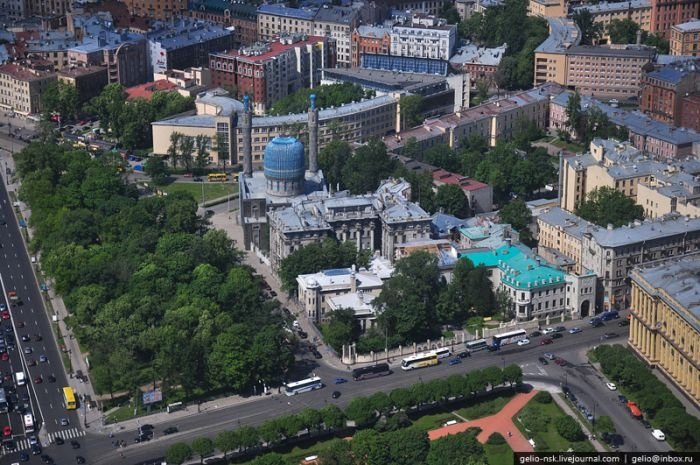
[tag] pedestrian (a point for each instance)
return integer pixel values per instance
(510, 434)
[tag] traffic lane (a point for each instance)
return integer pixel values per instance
(35, 319)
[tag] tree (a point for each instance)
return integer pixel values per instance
(411, 110)
(186, 150)
(368, 167)
(178, 453)
(201, 143)
(108, 106)
(504, 304)
(333, 95)
(338, 452)
(606, 205)
(61, 98)
(173, 152)
(452, 199)
(156, 169)
(408, 446)
(202, 447)
(590, 30)
(360, 411)
(573, 111)
(227, 441)
(409, 297)
(623, 31)
(272, 458)
(458, 449)
(332, 159)
(604, 423)
(342, 328)
(657, 40)
(569, 429)
(370, 448)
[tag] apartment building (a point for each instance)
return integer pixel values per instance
(604, 13)
(685, 38)
(426, 37)
(268, 72)
(676, 188)
(664, 328)
(548, 8)
(21, 88)
(46, 7)
(465, 8)
(274, 19)
(339, 24)
(480, 63)
(560, 232)
(663, 90)
(550, 55)
(164, 10)
(429, 7)
(16, 10)
(666, 13)
(374, 40)
(89, 81)
(243, 17)
(188, 82)
(690, 112)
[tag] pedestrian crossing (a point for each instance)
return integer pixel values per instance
(72, 433)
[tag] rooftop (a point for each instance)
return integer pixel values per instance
(444, 223)
(647, 230)
(146, 90)
(219, 98)
(336, 14)
(481, 55)
(572, 224)
(626, 51)
(186, 32)
(22, 73)
(608, 7)
(277, 9)
(467, 184)
(78, 71)
(676, 282)
(261, 51)
(690, 26)
(675, 72)
(237, 9)
(520, 269)
(341, 278)
(563, 33)
(365, 30)
(382, 79)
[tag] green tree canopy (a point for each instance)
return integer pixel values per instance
(452, 199)
(457, 449)
(332, 160)
(606, 205)
(342, 328)
(411, 110)
(326, 96)
(623, 31)
(61, 98)
(178, 453)
(369, 165)
(590, 30)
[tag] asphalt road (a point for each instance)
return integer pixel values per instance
(30, 318)
(581, 378)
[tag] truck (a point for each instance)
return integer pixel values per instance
(20, 380)
(28, 423)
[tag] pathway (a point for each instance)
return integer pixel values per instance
(501, 422)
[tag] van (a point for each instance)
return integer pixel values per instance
(20, 380)
(33, 259)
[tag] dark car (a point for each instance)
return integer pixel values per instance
(492, 348)
(24, 457)
(75, 444)
(9, 445)
(335, 394)
(303, 335)
(646, 424)
(80, 459)
(455, 361)
(622, 399)
(596, 323)
(623, 323)
(143, 437)
(464, 355)
(557, 336)
(535, 334)
(317, 355)
(51, 379)
(36, 449)
(58, 440)
(610, 335)
(197, 179)
(545, 341)
(37, 337)
(560, 329)
(170, 430)
(146, 427)
(543, 361)
(46, 459)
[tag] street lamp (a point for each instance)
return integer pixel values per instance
(70, 363)
(595, 404)
(503, 359)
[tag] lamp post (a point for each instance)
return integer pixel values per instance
(595, 404)
(503, 359)
(70, 363)
(85, 412)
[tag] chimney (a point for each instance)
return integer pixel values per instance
(353, 281)
(247, 127)
(313, 135)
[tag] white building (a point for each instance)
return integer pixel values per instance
(426, 37)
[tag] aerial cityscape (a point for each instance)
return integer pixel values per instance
(349, 232)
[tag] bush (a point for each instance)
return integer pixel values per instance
(569, 429)
(535, 420)
(496, 439)
(543, 397)
(541, 445)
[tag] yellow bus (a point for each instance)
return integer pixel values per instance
(218, 177)
(69, 398)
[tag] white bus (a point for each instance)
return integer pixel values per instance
(28, 423)
(441, 353)
(4, 407)
(305, 385)
(477, 345)
(509, 337)
(422, 360)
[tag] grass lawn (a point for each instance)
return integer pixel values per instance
(298, 453)
(484, 409)
(500, 454)
(212, 190)
(537, 421)
(431, 422)
(570, 146)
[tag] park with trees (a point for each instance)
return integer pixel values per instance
(332, 95)
(155, 294)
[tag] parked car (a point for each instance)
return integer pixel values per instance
(549, 356)
(170, 430)
(557, 336)
(560, 329)
(543, 361)
(547, 331)
(623, 323)
(535, 334)
(340, 380)
(575, 330)
(611, 386)
(658, 435)
(335, 394)
(610, 335)
(523, 342)
(464, 355)
(454, 361)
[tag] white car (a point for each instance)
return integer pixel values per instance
(611, 386)
(548, 331)
(575, 330)
(658, 435)
(523, 342)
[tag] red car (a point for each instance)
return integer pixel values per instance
(5, 356)
(7, 376)
(545, 341)
(5, 315)
(82, 122)
(38, 380)
(6, 431)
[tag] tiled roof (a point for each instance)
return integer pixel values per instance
(146, 90)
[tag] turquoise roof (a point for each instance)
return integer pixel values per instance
(519, 269)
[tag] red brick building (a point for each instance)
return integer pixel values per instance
(690, 112)
(663, 90)
(270, 71)
(369, 39)
(666, 13)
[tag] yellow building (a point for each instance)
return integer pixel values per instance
(675, 189)
(547, 8)
(21, 88)
(561, 231)
(664, 329)
(685, 39)
(603, 13)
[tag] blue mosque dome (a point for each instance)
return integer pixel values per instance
(284, 166)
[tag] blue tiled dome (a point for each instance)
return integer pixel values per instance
(284, 159)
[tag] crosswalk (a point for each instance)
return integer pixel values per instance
(72, 433)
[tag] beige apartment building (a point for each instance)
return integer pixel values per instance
(561, 231)
(664, 328)
(685, 38)
(338, 23)
(276, 18)
(547, 8)
(675, 189)
(21, 88)
(604, 13)
(550, 55)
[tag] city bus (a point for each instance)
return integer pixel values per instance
(217, 177)
(305, 385)
(509, 337)
(69, 398)
(28, 423)
(380, 369)
(426, 359)
(477, 345)
(3, 401)
(444, 352)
